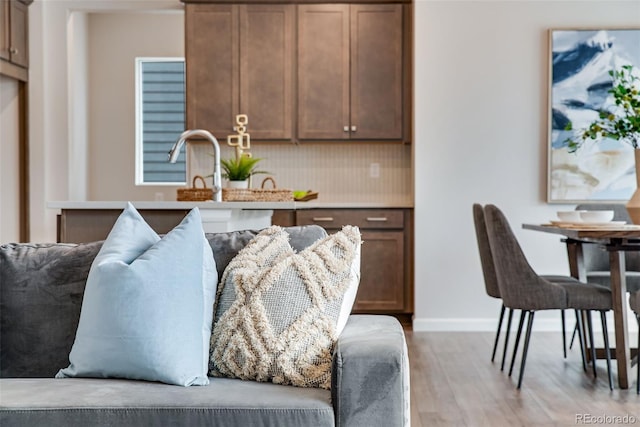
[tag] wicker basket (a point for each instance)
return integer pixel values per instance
(195, 194)
(257, 194)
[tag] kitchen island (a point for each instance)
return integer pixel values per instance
(88, 221)
(386, 283)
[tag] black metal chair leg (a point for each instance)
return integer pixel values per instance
(526, 347)
(607, 349)
(495, 343)
(580, 335)
(515, 346)
(506, 339)
(573, 335)
(564, 334)
(593, 346)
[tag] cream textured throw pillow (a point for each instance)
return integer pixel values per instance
(277, 310)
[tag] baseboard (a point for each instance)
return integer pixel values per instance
(490, 325)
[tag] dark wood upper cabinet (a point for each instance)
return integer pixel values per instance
(239, 60)
(351, 72)
(376, 71)
(4, 30)
(14, 32)
(323, 71)
(306, 71)
(212, 63)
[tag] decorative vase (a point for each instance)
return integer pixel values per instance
(238, 184)
(633, 205)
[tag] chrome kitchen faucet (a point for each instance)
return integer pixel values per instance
(217, 178)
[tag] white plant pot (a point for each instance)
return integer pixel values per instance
(238, 184)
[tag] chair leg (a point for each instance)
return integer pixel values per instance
(593, 347)
(495, 343)
(582, 346)
(638, 356)
(607, 350)
(515, 346)
(564, 334)
(506, 339)
(526, 347)
(573, 335)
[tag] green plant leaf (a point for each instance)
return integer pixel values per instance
(621, 122)
(239, 169)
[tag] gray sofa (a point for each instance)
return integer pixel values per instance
(41, 289)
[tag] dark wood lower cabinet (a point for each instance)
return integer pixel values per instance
(382, 275)
(386, 282)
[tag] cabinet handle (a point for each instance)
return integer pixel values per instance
(13, 51)
(377, 218)
(346, 128)
(353, 128)
(322, 218)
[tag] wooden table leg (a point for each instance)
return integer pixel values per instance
(576, 260)
(619, 296)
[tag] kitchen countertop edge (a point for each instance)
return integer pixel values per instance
(162, 205)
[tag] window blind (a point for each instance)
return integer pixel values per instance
(162, 119)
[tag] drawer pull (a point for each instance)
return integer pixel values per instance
(322, 218)
(377, 219)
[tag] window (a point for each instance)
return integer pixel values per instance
(160, 119)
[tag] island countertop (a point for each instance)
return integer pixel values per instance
(172, 205)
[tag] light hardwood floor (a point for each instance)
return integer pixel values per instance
(454, 383)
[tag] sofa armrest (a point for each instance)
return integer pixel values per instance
(370, 373)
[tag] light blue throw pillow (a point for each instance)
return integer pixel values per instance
(148, 305)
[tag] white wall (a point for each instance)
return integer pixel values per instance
(115, 40)
(9, 161)
(58, 34)
(481, 128)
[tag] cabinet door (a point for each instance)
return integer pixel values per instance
(19, 33)
(212, 68)
(376, 71)
(4, 29)
(382, 272)
(266, 64)
(323, 71)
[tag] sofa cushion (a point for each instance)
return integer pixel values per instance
(41, 288)
(148, 305)
(80, 402)
(278, 310)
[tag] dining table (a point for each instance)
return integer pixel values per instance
(616, 239)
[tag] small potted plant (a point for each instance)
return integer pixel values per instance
(239, 170)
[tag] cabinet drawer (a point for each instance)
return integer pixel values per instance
(363, 218)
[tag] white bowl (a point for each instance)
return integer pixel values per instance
(596, 216)
(569, 216)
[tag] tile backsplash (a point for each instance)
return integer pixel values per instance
(340, 172)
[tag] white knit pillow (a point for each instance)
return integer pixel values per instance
(277, 310)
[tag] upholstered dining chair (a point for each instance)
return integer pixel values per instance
(596, 260)
(634, 303)
(491, 284)
(521, 288)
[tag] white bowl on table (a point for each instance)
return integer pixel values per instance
(596, 216)
(569, 216)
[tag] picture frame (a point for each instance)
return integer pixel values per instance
(579, 80)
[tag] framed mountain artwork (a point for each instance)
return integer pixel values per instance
(582, 63)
